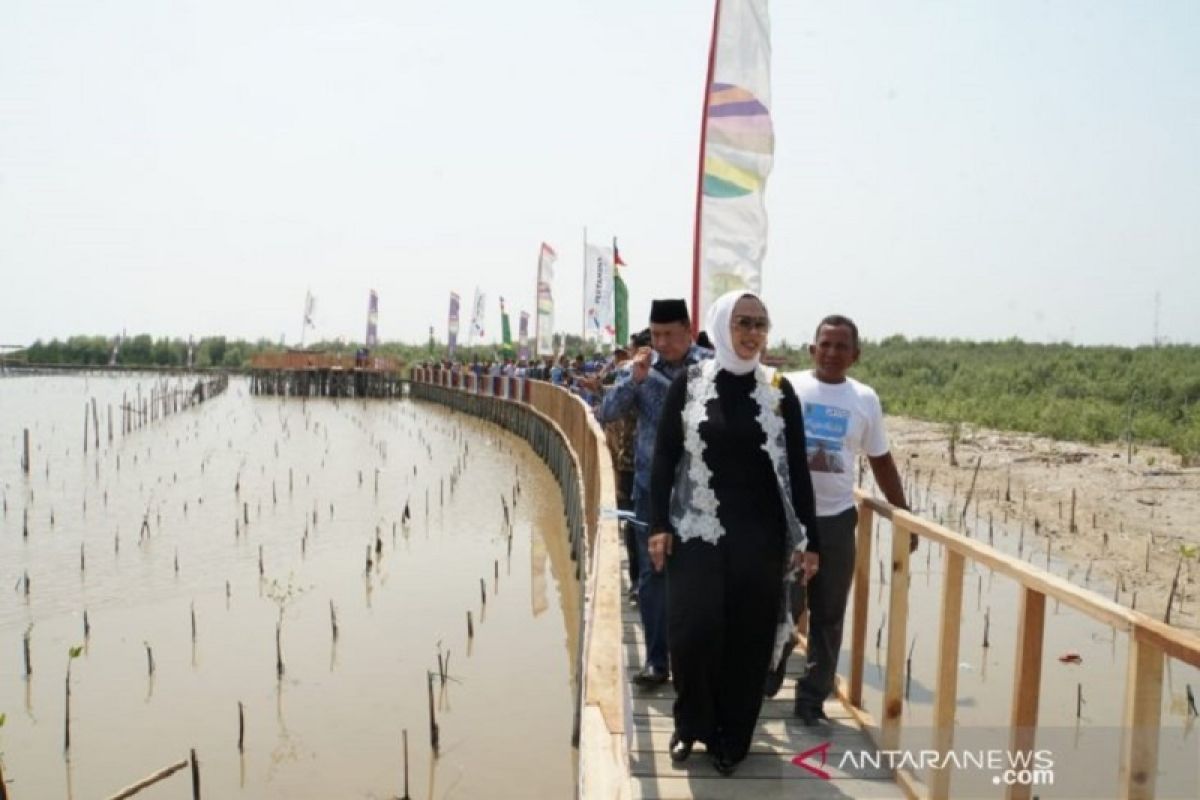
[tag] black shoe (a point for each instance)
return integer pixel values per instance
(810, 716)
(722, 764)
(680, 748)
(651, 676)
(775, 677)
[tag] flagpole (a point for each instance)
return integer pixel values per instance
(583, 307)
(712, 57)
(537, 303)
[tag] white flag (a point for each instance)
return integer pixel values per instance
(544, 333)
(739, 147)
(476, 332)
(598, 288)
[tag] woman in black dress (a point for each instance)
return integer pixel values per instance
(731, 502)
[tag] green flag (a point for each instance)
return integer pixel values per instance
(620, 299)
(505, 330)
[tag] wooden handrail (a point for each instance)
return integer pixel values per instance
(1150, 642)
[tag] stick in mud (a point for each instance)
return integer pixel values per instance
(406, 795)
(241, 728)
(482, 591)
(193, 609)
(987, 627)
(279, 650)
(1078, 700)
(1191, 701)
(333, 626)
(25, 454)
(25, 649)
(1171, 596)
(1073, 527)
(87, 626)
(195, 763)
(470, 626)
(149, 660)
(433, 726)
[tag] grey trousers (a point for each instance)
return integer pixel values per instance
(828, 593)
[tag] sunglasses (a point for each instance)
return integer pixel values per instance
(748, 324)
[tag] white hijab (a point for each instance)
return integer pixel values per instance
(720, 315)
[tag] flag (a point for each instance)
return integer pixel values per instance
(476, 332)
(620, 299)
(523, 336)
(372, 320)
(452, 327)
(598, 300)
(737, 145)
(544, 336)
(310, 309)
(505, 330)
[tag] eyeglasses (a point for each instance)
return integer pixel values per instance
(748, 324)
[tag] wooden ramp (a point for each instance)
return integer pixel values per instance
(768, 772)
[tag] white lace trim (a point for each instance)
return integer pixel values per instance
(700, 519)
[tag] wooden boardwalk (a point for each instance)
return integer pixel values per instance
(768, 772)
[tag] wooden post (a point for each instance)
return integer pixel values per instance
(862, 590)
(946, 693)
(25, 457)
(1143, 713)
(1027, 679)
(893, 692)
(195, 775)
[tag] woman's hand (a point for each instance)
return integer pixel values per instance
(806, 565)
(659, 546)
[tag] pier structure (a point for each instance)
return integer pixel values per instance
(303, 373)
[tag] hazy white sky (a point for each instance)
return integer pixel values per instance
(956, 169)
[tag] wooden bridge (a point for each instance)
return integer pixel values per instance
(622, 733)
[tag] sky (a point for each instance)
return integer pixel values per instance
(974, 170)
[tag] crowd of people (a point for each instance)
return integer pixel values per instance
(740, 486)
(736, 485)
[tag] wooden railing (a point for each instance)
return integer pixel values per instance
(1150, 643)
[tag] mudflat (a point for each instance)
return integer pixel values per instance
(1137, 519)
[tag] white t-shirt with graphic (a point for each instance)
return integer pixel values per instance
(841, 421)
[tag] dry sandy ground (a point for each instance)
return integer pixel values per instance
(1121, 508)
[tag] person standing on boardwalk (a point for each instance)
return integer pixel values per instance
(642, 386)
(732, 503)
(842, 419)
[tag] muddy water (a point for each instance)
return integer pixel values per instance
(173, 518)
(1084, 737)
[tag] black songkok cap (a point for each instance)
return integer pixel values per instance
(663, 311)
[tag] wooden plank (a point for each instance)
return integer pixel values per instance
(687, 787)
(660, 704)
(897, 622)
(1143, 716)
(1027, 679)
(946, 692)
(764, 766)
(862, 594)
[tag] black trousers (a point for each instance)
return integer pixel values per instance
(828, 592)
(722, 606)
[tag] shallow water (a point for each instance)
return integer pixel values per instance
(161, 516)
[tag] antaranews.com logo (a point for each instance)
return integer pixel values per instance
(1007, 767)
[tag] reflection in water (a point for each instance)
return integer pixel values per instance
(208, 491)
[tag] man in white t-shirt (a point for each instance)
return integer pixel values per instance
(842, 419)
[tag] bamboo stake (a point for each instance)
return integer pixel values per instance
(433, 726)
(149, 781)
